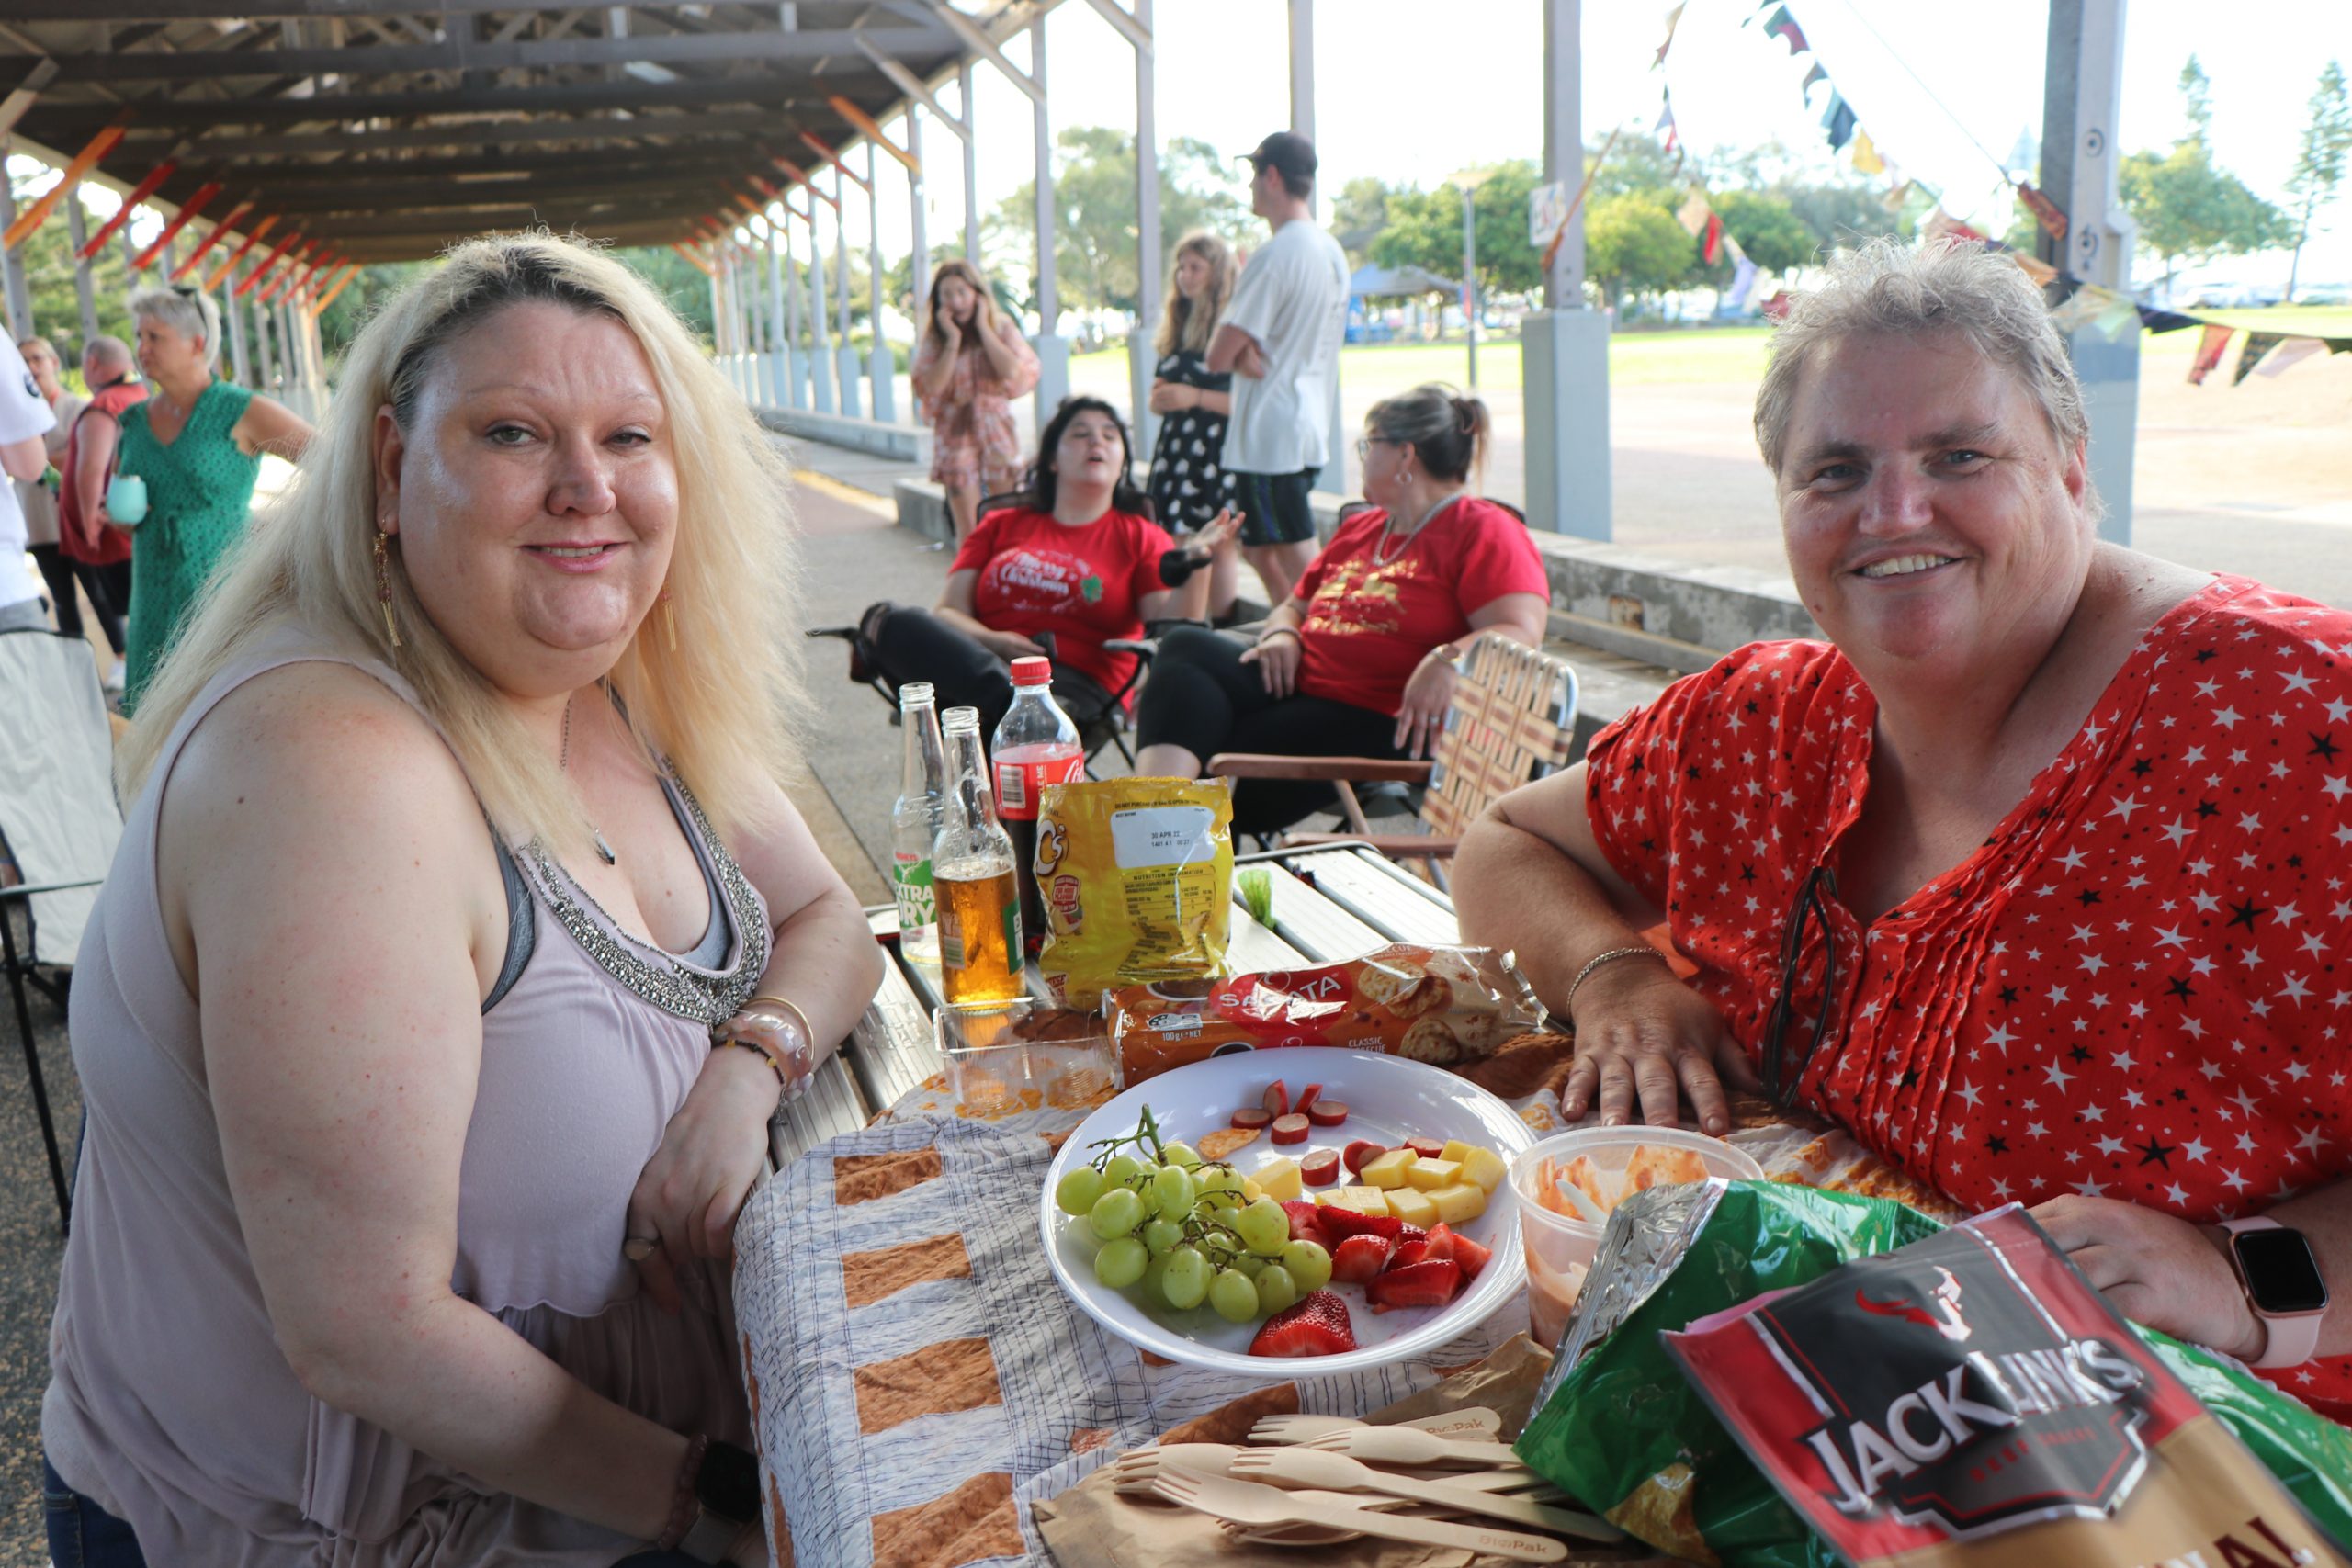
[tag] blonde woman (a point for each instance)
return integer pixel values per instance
(972, 361)
(1188, 486)
(459, 947)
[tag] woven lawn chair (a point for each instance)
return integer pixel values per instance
(1513, 720)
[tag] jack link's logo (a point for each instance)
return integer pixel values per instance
(1949, 1395)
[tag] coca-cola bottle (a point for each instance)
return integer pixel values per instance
(914, 823)
(1035, 746)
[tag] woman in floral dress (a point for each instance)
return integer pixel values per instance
(971, 362)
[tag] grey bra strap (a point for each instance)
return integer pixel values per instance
(522, 926)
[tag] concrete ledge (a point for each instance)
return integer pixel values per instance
(899, 442)
(922, 509)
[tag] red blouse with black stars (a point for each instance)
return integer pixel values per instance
(2132, 991)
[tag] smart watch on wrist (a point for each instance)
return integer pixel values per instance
(2280, 1274)
(726, 1499)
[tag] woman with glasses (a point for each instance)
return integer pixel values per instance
(1359, 660)
(197, 442)
(2031, 877)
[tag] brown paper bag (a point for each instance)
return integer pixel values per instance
(1092, 1526)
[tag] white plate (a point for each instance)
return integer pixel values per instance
(1389, 1098)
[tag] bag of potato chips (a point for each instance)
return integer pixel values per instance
(1137, 877)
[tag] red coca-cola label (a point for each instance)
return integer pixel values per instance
(1020, 780)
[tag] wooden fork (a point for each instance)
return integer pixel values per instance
(1247, 1504)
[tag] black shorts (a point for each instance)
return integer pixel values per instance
(1274, 509)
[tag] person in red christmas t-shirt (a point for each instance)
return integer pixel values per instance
(1079, 563)
(1359, 660)
(2033, 877)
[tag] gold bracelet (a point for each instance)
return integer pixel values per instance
(808, 1030)
(1568, 1003)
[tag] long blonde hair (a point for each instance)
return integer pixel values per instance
(1189, 323)
(719, 707)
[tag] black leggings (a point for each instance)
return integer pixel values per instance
(108, 587)
(907, 644)
(1202, 697)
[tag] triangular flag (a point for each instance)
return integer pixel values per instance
(2034, 267)
(1782, 25)
(1743, 278)
(2155, 320)
(1673, 20)
(1665, 126)
(2082, 307)
(1713, 246)
(1819, 73)
(2118, 318)
(1839, 119)
(2208, 354)
(2338, 344)
(2289, 353)
(1866, 158)
(1693, 214)
(1944, 226)
(2256, 345)
(2045, 212)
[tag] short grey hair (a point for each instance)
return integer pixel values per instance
(185, 309)
(1886, 286)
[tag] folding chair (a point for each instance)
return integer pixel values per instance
(59, 824)
(1512, 721)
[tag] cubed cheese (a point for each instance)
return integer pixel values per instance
(1429, 1175)
(1460, 1203)
(1485, 1167)
(1279, 1177)
(1412, 1207)
(1362, 1200)
(1250, 1190)
(1388, 1171)
(1455, 1149)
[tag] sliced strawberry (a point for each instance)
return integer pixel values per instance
(1358, 1258)
(1408, 1253)
(1292, 1129)
(1471, 1256)
(1276, 1098)
(1361, 1153)
(1326, 1113)
(1252, 1121)
(1320, 1168)
(1440, 1244)
(1428, 1148)
(1425, 1284)
(1345, 1223)
(1307, 1220)
(1306, 1100)
(1320, 1325)
(1406, 1233)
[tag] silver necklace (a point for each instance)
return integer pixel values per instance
(563, 763)
(1381, 554)
(173, 403)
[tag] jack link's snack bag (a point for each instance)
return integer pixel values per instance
(1137, 877)
(1914, 1397)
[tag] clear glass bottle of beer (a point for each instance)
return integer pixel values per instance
(980, 953)
(914, 823)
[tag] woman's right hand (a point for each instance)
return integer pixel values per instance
(1010, 646)
(1639, 1030)
(1171, 397)
(1276, 656)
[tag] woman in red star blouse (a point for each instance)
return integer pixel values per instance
(2033, 876)
(1078, 563)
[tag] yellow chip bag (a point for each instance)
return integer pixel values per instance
(1137, 877)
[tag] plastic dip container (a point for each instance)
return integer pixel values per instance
(1018, 1056)
(1560, 1247)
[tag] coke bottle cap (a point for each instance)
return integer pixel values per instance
(1033, 672)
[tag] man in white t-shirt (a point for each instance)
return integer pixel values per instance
(25, 417)
(1281, 340)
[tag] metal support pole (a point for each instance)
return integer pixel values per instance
(76, 235)
(1149, 255)
(1564, 347)
(1334, 473)
(919, 216)
(779, 339)
(1470, 280)
(971, 167)
(883, 402)
(845, 354)
(2083, 90)
(1053, 350)
(20, 298)
(797, 360)
(821, 352)
(239, 365)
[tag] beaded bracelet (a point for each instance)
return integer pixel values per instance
(684, 1507)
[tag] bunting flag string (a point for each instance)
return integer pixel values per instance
(1673, 20)
(2210, 349)
(1866, 154)
(1782, 25)
(2256, 345)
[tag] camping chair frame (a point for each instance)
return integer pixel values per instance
(22, 973)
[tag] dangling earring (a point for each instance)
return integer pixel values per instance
(384, 587)
(669, 620)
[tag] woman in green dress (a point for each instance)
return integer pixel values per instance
(199, 443)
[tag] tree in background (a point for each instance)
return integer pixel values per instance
(2319, 161)
(1768, 228)
(2189, 209)
(1632, 245)
(357, 305)
(1358, 214)
(1094, 193)
(1424, 229)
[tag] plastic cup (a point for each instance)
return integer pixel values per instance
(1559, 1247)
(127, 500)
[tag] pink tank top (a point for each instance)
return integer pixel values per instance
(170, 1405)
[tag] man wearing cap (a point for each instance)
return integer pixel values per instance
(1281, 339)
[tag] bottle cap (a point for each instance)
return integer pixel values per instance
(1033, 672)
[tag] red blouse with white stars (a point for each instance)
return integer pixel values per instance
(2131, 990)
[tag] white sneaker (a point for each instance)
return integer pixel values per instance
(118, 675)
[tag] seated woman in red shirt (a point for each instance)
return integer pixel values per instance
(2033, 876)
(1078, 564)
(1359, 660)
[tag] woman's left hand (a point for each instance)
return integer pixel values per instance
(1168, 397)
(2155, 1270)
(1217, 535)
(1420, 718)
(712, 1153)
